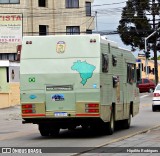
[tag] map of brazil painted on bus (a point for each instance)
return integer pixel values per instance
(84, 69)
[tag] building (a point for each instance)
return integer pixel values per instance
(141, 64)
(41, 17)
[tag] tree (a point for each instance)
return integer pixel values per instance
(158, 58)
(139, 19)
(134, 24)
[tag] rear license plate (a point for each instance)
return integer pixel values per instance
(60, 114)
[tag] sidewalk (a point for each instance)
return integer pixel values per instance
(144, 144)
(11, 113)
(149, 140)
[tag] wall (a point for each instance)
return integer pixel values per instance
(4, 87)
(151, 64)
(72, 16)
(55, 15)
(9, 91)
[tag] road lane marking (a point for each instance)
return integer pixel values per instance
(145, 105)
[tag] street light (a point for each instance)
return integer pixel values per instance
(146, 38)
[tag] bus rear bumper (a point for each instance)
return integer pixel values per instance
(64, 122)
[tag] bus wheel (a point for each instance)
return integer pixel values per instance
(111, 124)
(127, 122)
(43, 131)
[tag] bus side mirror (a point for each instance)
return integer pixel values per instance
(115, 81)
(114, 60)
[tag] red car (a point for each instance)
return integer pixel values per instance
(146, 85)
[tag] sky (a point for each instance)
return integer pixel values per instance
(108, 12)
(108, 16)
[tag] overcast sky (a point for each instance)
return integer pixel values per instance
(108, 16)
(108, 13)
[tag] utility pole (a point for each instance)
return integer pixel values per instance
(96, 21)
(155, 44)
(154, 13)
(31, 6)
(155, 60)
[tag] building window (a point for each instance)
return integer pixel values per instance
(72, 3)
(88, 8)
(72, 30)
(114, 60)
(131, 73)
(43, 29)
(8, 56)
(88, 31)
(42, 3)
(105, 63)
(10, 1)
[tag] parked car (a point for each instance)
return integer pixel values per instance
(156, 98)
(146, 85)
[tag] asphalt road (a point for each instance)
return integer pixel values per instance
(15, 134)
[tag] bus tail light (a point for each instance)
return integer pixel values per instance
(92, 105)
(92, 108)
(28, 111)
(28, 108)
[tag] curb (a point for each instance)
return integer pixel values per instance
(4, 108)
(117, 140)
(128, 136)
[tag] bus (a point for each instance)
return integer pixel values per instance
(67, 81)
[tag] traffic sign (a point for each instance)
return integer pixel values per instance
(138, 60)
(141, 55)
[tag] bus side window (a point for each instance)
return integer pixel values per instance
(105, 63)
(131, 73)
(114, 60)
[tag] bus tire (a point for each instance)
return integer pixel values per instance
(43, 131)
(111, 124)
(127, 122)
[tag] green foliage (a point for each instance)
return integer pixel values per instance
(158, 58)
(135, 25)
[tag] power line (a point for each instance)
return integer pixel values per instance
(109, 4)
